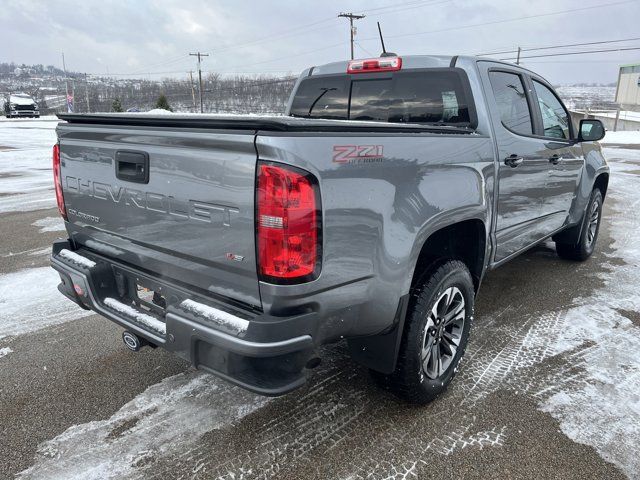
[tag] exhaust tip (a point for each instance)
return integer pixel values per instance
(132, 341)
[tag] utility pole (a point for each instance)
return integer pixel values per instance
(199, 55)
(66, 83)
(518, 58)
(352, 29)
(193, 90)
(86, 92)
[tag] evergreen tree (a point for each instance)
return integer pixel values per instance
(116, 106)
(163, 103)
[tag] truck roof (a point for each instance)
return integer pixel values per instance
(414, 61)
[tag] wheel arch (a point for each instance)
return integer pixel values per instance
(601, 182)
(465, 240)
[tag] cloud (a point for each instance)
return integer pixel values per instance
(288, 35)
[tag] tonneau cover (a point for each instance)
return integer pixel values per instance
(253, 122)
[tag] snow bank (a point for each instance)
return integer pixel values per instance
(237, 324)
(156, 111)
(29, 301)
(146, 320)
(621, 138)
(5, 351)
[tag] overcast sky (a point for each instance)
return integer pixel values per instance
(153, 39)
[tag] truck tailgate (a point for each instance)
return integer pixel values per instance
(176, 202)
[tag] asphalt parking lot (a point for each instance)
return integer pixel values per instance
(549, 387)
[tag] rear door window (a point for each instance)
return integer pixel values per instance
(511, 98)
(436, 97)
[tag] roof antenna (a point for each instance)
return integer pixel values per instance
(384, 50)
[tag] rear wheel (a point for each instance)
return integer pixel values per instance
(589, 233)
(435, 333)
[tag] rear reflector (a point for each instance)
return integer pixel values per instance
(57, 181)
(368, 65)
(287, 224)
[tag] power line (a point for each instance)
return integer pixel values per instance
(386, 7)
(299, 30)
(365, 50)
(411, 6)
(351, 17)
(514, 19)
(562, 46)
(574, 53)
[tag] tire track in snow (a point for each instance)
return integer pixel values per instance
(167, 417)
(316, 420)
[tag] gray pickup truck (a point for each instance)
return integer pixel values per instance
(369, 212)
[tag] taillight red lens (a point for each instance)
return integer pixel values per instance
(57, 180)
(287, 224)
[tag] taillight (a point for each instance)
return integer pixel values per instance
(287, 224)
(368, 65)
(57, 180)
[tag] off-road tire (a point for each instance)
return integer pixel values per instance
(409, 380)
(587, 240)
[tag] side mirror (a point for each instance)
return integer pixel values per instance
(591, 130)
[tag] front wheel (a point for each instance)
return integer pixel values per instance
(435, 333)
(589, 232)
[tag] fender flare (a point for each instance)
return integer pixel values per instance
(380, 352)
(571, 235)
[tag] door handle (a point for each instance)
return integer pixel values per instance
(555, 159)
(513, 160)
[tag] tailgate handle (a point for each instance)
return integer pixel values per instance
(132, 166)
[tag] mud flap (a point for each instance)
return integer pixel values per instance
(380, 352)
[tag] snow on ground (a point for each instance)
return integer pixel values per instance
(172, 414)
(5, 351)
(596, 400)
(603, 408)
(620, 138)
(593, 385)
(26, 181)
(624, 115)
(29, 301)
(31, 251)
(50, 224)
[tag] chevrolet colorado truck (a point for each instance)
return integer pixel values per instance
(369, 212)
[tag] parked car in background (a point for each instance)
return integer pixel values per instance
(21, 105)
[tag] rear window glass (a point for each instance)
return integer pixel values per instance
(437, 98)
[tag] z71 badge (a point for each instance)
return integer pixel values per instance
(357, 153)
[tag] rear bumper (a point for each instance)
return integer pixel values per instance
(258, 352)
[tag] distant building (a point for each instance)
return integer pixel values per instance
(628, 90)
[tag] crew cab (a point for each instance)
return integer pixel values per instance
(369, 212)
